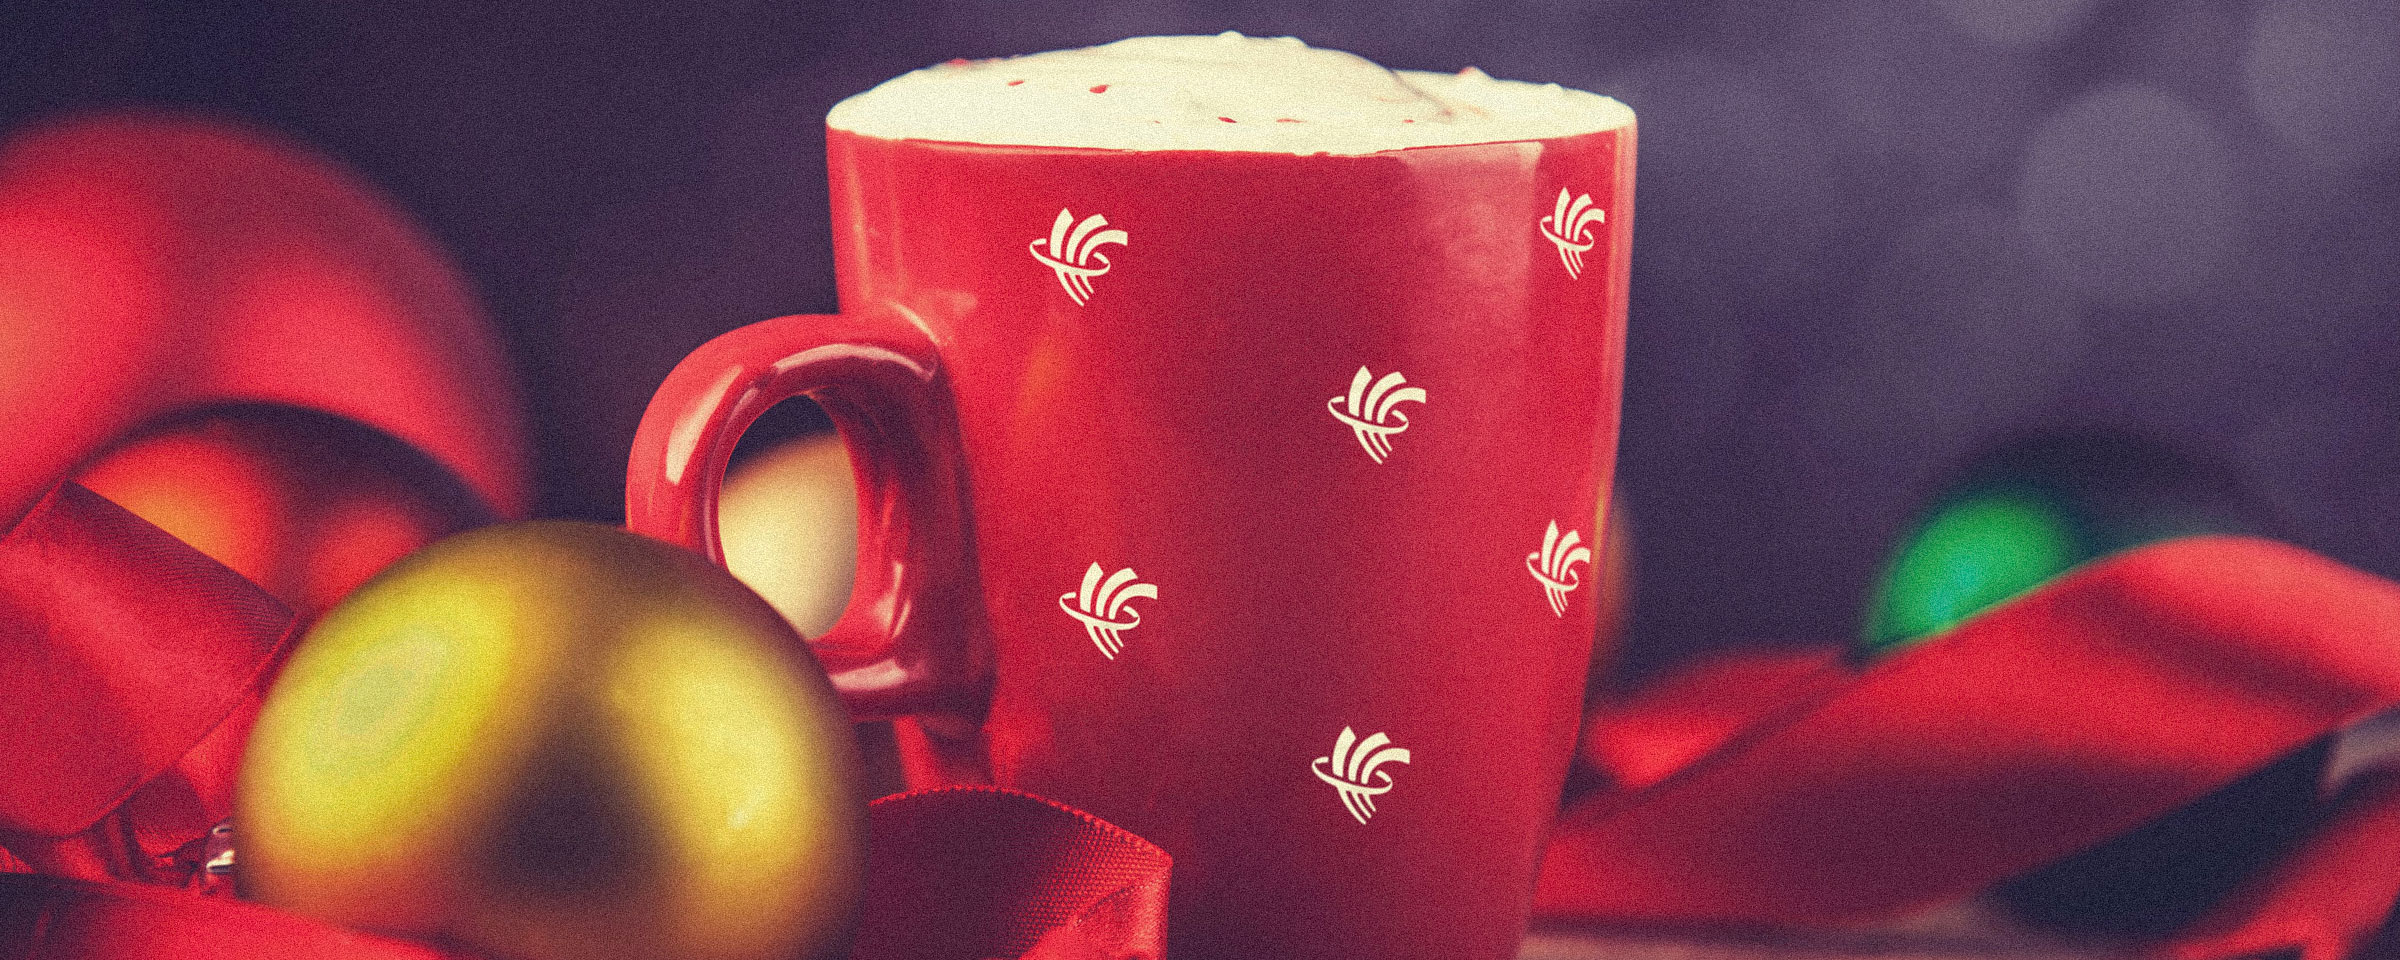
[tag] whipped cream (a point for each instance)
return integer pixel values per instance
(1227, 92)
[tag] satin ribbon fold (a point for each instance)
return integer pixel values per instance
(57, 918)
(974, 873)
(133, 665)
(2088, 706)
(982, 872)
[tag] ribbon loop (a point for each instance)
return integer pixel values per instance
(125, 655)
(973, 873)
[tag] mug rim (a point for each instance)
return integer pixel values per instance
(1625, 127)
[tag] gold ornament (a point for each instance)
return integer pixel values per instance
(558, 741)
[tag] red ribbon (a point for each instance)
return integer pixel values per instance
(2324, 898)
(980, 872)
(2073, 713)
(2112, 695)
(55, 918)
(133, 667)
(1667, 726)
(972, 873)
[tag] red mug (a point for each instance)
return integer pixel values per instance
(1245, 500)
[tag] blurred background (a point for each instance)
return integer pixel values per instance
(1873, 235)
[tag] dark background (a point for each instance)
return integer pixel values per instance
(1872, 235)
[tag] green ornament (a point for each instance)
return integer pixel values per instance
(1970, 554)
(2027, 511)
(2023, 513)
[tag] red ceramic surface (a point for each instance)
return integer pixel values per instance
(1226, 496)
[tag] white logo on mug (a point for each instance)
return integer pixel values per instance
(1102, 607)
(1351, 770)
(1370, 411)
(1569, 225)
(1074, 251)
(1554, 566)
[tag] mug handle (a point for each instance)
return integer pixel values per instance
(911, 639)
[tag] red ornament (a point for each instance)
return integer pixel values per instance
(151, 265)
(305, 505)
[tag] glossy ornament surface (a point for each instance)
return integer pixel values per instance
(1305, 416)
(555, 741)
(154, 265)
(305, 505)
